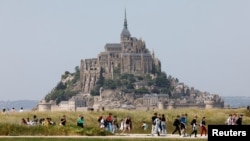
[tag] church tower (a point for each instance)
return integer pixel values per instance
(125, 35)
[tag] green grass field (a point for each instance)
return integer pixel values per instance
(10, 122)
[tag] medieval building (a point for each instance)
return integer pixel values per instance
(128, 56)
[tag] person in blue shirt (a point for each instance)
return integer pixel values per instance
(183, 124)
(80, 121)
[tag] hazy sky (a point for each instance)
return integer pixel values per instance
(203, 43)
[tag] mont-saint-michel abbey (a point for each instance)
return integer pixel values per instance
(128, 57)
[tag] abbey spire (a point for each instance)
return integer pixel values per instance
(125, 31)
(125, 21)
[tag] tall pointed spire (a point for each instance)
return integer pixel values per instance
(125, 21)
(125, 31)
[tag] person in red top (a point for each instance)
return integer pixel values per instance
(109, 122)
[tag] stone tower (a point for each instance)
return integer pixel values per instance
(128, 56)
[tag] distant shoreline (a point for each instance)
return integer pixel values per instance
(232, 101)
(236, 101)
(27, 105)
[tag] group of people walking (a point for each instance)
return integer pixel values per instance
(234, 119)
(159, 127)
(158, 124)
(180, 124)
(110, 123)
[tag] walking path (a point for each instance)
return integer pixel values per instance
(114, 136)
(155, 136)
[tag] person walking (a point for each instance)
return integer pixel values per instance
(183, 124)
(128, 125)
(203, 126)
(194, 126)
(177, 125)
(158, 125)
(122, 125)
(153, 123)
(102, 123)
(163, 125)
(114, 124)
(109, 121)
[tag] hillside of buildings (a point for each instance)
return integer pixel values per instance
(125, 75)
(158, 83)
(130, 91)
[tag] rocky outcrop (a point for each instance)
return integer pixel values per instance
(115, 99)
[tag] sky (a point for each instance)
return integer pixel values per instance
(205, 44)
